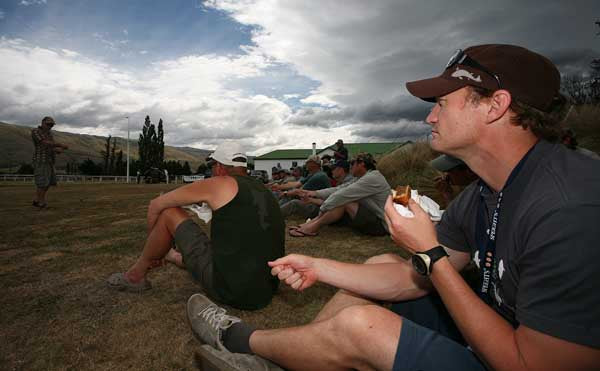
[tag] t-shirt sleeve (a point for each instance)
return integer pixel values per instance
(451, 229)
(558, 285)
(316, 182)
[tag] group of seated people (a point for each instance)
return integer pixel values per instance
(528, 224)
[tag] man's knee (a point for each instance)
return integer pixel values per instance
(351, 209)
(172, 217)
(362, 326)
(384, 258)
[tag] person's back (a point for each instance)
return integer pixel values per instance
(246, 233)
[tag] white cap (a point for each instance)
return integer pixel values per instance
(230, 154)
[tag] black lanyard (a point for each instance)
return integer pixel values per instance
(486, 239)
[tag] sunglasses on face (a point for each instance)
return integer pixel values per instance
(460, 57)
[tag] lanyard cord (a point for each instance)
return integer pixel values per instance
(486, 239)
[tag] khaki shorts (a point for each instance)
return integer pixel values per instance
(196, 251)
(44, 176)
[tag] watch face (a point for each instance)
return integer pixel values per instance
(419, 265)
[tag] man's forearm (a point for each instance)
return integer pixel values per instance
(386, 281)
(488, 334)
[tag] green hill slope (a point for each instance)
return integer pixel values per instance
(16, 148)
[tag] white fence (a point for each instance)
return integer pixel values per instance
(82, 178)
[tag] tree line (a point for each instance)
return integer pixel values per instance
(151, 149)
(584, 88)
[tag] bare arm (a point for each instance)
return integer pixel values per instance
(511, 349)
(386, 281)
(216, 192)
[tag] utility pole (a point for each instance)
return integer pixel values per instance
(127, 117)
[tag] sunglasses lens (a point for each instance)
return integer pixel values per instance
(455, 57)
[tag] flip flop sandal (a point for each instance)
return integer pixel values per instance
(118, 281)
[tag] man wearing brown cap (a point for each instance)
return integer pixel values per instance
(530, 226)
(43, 159)
(247, 230)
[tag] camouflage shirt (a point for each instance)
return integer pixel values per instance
(43, 153)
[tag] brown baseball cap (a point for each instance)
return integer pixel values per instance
(530, 77)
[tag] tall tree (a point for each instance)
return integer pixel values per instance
(186, 169)
(106, 156)
(145, 144)
(160, 142)
(111, 165)
(120, 165)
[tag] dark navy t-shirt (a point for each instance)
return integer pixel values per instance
(548, 243)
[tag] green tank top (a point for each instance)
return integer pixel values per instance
(247, 233)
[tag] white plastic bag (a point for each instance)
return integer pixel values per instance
(203, 211)
(430, 206)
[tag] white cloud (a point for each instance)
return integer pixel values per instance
(32, 2)
(143, 52)
(70, 53)
(188, 93)
(2, 14)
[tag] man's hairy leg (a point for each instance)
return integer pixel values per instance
(158, 243)
(343, 298)
(363, 337)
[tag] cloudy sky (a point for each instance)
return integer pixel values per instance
(272, 74)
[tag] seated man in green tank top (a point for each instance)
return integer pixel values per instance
(247, 231)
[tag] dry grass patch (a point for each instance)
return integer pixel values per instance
(58, 312)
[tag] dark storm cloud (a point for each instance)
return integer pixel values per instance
(405, 108)
(393, 132)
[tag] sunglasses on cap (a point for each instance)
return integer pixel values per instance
(460, 57)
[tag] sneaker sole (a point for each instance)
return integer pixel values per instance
(210, 362)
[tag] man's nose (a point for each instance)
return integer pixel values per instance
(432, 117)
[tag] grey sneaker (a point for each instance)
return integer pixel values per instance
(208, 320)
(212, 359)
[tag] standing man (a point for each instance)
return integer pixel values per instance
(341, 152)
(247, 231)
(43, 160)
(530, 226)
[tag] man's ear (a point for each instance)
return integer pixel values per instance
(499, 103)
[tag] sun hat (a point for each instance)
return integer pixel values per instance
(230, 154)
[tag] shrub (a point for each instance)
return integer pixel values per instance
(410, 165)
(584, 120)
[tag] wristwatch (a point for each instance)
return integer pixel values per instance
(423, 261)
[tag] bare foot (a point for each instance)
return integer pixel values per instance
(174, 257)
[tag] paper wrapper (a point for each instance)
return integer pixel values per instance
(430, 206)
(203, 211)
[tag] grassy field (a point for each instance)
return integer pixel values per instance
(57, 312)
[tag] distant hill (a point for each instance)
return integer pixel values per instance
(16, 148)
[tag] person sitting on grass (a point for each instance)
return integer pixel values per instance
(231, 267)
(536, 306)
(358, 204)
(307, 206)
(315, 178)
(456, 175)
